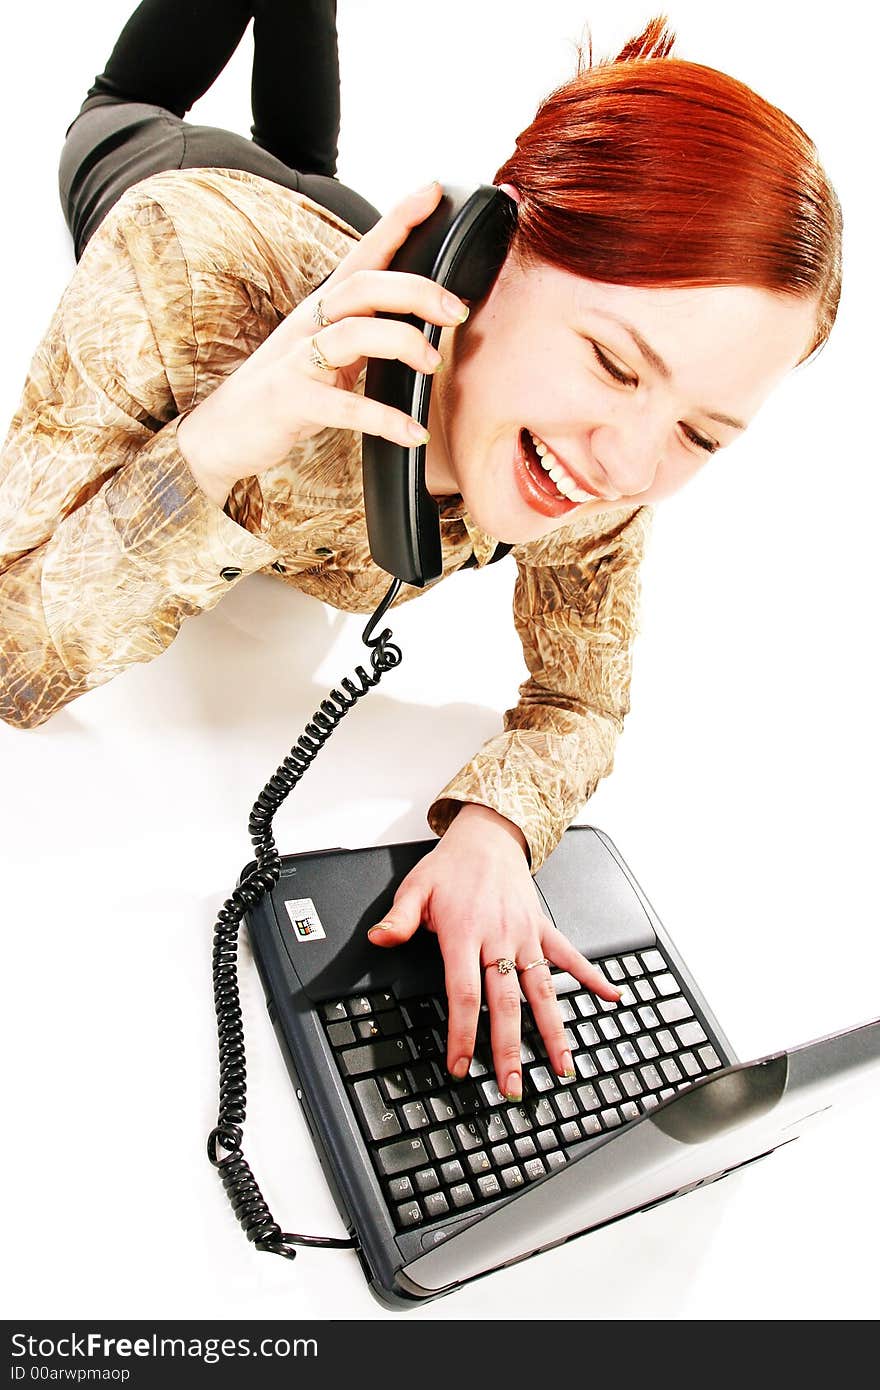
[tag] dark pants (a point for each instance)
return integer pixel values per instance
(131, 123)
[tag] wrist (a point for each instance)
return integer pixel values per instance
(474, 818)
(195, 445)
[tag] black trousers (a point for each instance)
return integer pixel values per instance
(131, 124)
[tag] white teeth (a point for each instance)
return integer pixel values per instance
(565, 483)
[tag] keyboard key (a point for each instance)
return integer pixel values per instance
(627, 996)
(467, 1098)
(359, 1006)
(564, 983)
(570, 1132)
(556, 1159)
(452, 1171)
(512, 1177)
(357, 1061)
(709, 1058)
(389, 1023)
(333, 1012)
(689, 1034)
(380, 1120)
(462, 1194)
(365, 1028)
(397, 1158)
(518, 1119)
(526, 1054)
(610, 1090)
(590, 1125)
(424, 1076)
(534, 1168)
(440, 1143)
(632, 965)
(652, 960)
(399, 1189)
(588, 1034)
(479, 1162)
(629, 1110)
(628, 1022)
(426, 1179)
(525, 1147)
(666, 984)
(340, 1034)
(609, 1029)
(395, 1085)
(585, 1065)
(671, 1010)
(666, 1041)
(606, 1005)
(566, 1010)
(613, 969)
(492, 1127)
(588, 1097)
(435, 1205)
(419, 1013)
(469, 1136)
(651, 1077)
(381, 1000)
(415, 1114)
(547, 1139)
(491, 1092)
(670, 1069)
(645, 990)
(441, 1106)
(631, 1083)
(543, 1113)
(426, 1043)
(690, 1063)
(410, 1214)
(667, 1092)
(586, 1005)
(489, 1185)
(501, 1154)
(648, 1017)
(477, 1068)
(647, 1047)
(648, 1103)
(541, 1079)
(566, 1105)
(611, 1118)
(628, 1054)
(606, 1059)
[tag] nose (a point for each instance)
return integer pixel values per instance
(629, 455)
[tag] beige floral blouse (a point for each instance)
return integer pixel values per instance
(107, 544)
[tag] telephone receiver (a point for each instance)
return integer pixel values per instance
(462, 245)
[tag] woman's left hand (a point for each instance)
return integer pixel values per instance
(475, 891)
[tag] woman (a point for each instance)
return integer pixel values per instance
(194, 413)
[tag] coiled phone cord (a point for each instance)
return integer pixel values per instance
(241, 1186)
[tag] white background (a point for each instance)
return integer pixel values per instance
(743, 797)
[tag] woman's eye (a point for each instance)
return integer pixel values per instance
(611, 369)
(708, 444)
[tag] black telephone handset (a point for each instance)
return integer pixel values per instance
(462, 245)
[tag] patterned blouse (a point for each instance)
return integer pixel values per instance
(107, 543)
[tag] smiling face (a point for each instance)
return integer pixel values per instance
(530, 358)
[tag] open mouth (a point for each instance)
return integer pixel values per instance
(537, 489)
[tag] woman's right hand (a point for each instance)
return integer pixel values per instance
(278, 397)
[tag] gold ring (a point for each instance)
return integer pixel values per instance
(319, 316)
(317, 357)
(531, 965)
(504, 964)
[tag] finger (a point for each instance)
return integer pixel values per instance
(377, 247)
(560, 951)
(401, 921)
(349, 339)
(502, 996)
(537, 985)
(391, 291)
(329, 406)
(464, 996)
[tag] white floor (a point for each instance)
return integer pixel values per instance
(744, 795)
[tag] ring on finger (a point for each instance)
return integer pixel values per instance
(317, 357)
(319, 316)
(504, 964)
(531, 965)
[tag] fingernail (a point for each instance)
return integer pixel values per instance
(417, 433)
(439, 366)
(513, 1089)
(567, 1065)
(461, 1067)
(381, 926)
(453, 305)
(426, 187)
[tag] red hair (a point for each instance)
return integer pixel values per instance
(648, 170)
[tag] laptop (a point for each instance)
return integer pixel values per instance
(440, 1181)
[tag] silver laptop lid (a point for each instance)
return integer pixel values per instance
(700, 1133)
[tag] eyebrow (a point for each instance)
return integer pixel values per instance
(656, 361)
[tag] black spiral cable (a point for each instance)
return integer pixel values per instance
(241, 1186)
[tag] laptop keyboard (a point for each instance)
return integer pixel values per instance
(442, 1146)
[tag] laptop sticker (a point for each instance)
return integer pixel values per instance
(306, 922)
